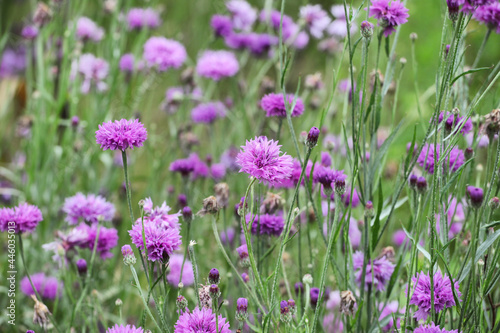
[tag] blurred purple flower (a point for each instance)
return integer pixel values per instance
(48, 287)
(94, 71)
(242, 14)
(389, 15)
(22, 218)
(163, 53)
(274, 105)
(175, 266)
(138, 18)
(316, 19)
(217, 65)
(88, 208)
(378, 271)
(86, 29)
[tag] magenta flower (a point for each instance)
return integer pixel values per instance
(221, 25)
(316, 19)
(127, 63)
(88, 208)
(108, 239)
(121, 134)
(242, 14)
(201, 321)
(274, 105)
(218, 171)
(217, 65)
(22, 218)
(443, 294)
(86, 29)
(125, 329)
(454, 122)
(389, 15)
(175, 265)
(138, 18)
(93, 71)
(378, 271)
(432, 328)
(163, 53)
(261, 158)
(427, 160)
(48, 287)
(388, 311)
(267, 224)
(207, 113)
(29, 32)
(489, 15)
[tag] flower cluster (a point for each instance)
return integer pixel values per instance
(22, 218)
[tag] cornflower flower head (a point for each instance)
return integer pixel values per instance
(175, 268)
(443, 294)
(427, 160)
(338, 27)
(390, 15)
(124, 329)
(274, 105)
(121, 134)
(221, 25)
(489, 15)
(432, 328)
(216, 65)
(138, 18)
(207, 113)
(108, 239)
(201, 320)
(454, 122)
(29, 32)
(160, 215)
(315, 18)
(86, 29)
(93, 71)
(87, 208)
(48, 287)
(163, 54)
(261, 158)
(243, 15)
(161, 241)
(183, 166)
(267, 224)
(378, 271)
(22, 218)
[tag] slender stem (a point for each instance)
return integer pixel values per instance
(481, 48)
(127, 186)
(195, 271)
(138, 284)
(185, 252)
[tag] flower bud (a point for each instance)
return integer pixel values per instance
(81, 265)
(412, 181)
(369, 211)
(128, 255)
(366, 29)
(312, 137)
(214, 276)
(468, 153)
(340, 186)
(181, 303)
(241, 309)
(118, 302)
(307, 279)
(214, 291)
(285, 315)
(421, 185)
(245, 277)
(494, 203)
(299, 288)
(314, 296)
(75, 121)
(475, 196)
(292, 306)
(187, 214)
(413, 36)
(182, 200)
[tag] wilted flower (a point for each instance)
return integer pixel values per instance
(210, 206)
(40, 312)
(347, 303)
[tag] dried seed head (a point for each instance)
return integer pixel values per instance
(347, 303)
(222, 194)
(271, 203)
(41, 312)
(210, 206)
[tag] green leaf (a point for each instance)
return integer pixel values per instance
(457, 174)
(492, 224)
(419, 247)
(470, 72)
(376, 224)
(481, 250)
(394, 277)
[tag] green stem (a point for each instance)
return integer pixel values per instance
(127, 186)
(195, 272)
(138, 284)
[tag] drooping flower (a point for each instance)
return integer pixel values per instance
(22, 218)
(93, 71)
(163, 54)
(316, 19)
(121, 134)
(48, 287)
(201, 321)
(243, 14)
(390, 15)
(261, 158)
(124, 329)
(378, 271)
(207, 113)
(274, 105)
(161, 241)
(138, 18)
(432, 328)
(86, 29)
(443, 294)
(88, 208)
(175, 266)
(217, 65)
(267, 224)
(427, 160)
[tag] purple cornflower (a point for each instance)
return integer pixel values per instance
(389, 15)
(454, 122)
(163, 53)
(207, 113)
(108, 239)
(29, 32)
(274, 105)
(455, 216)
(48, 287)
(228, 158)
(94, 71)
(327, 177)
(161, 242)
(475, 195)
(86, 29)
(183, 166)
(13, 62)
(217, 64)
(432, 328)
(489, 15)
(242, 251)
(339, 27)
(427, 160)
(88, 208)
(201, 321)
(127, 63)
(138, 18)
(22, 218)
(243, 14)
(221, 25)
(121, 134)
(443, 294)
(267, 224)
(227, 236)
(326, 159)
(261, 158)
(316, 19)
(175, 266)
(201, 169)
(125, 329)
(218, 171)
(160, 215)
(378, 271)
(314, 294)
(469, 6)
(387, 311)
